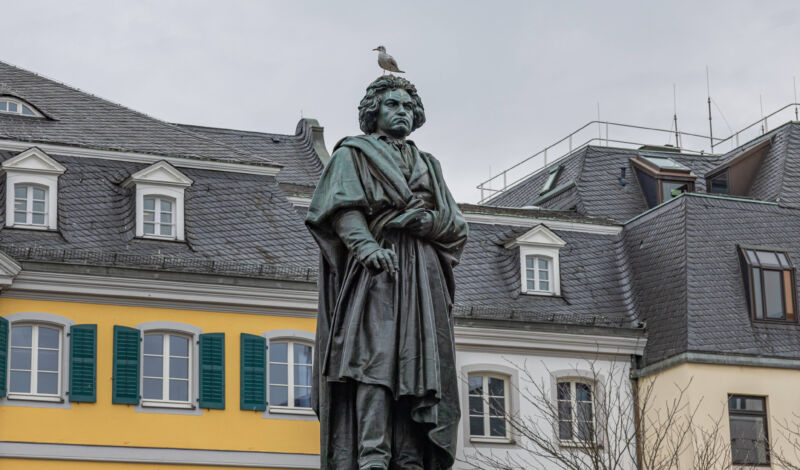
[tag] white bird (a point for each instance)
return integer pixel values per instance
(386, 61)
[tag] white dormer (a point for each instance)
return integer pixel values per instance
(32, 190)
(159, 201)
(539, 261)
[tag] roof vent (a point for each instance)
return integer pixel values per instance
(276, 140)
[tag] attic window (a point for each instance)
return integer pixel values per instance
(552, 177)
(10, 105)
(718, 184)
(770, 285)
(539, 261)
(159, 201)
(662, 178)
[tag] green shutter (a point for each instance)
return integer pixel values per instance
(3, 355)
(83, 363)
(253, 386)
(212, 371)
(125, 380)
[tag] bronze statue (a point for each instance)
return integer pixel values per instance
(390, 233)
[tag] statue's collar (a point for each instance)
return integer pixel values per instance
(393, 141)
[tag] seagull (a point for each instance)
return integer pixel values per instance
(386, 61)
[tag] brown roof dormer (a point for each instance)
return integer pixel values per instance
(662, 178)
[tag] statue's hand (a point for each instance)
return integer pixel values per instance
(383, 260)
(422, 225)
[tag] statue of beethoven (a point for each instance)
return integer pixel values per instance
(390, 233)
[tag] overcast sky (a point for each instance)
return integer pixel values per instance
(499, 80)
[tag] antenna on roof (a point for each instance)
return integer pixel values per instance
(599, 127)
(796, 118)
(710, 126)
(763, 120)
(675, 114)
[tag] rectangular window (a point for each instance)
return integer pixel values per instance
(538, 274)
(748, 424)
(158, 216)
(290, 374)
(30, 204)
(575, 405)
(166, 368)
(35, 360)
(718, 184)
(488, 405)
(770, 286)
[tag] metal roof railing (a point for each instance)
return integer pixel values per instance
(607, 133)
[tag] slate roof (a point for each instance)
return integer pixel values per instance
(595, 173)
(79, 119)
(301, 165)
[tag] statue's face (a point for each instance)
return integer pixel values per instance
(396, 114)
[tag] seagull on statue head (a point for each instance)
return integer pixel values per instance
(386, 61)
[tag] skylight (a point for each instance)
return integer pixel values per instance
(10, 105)
(551, 180)
(664, 163)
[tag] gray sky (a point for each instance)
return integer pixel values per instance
(499, 80)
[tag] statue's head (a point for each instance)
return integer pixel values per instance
(391, 106)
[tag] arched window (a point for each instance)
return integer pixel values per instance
(576, 416)
(35, 360)
(9, 105)
(32, 190)
(290, 374)
(166, 368)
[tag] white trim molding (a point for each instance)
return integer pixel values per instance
(505, 339)
(33, 167)
(181, 162)
(298, 201)
(560, 225)
(288, 412)
(160, 180)
(511, 377)
(158, 455)
(542, 243)
(9, 269)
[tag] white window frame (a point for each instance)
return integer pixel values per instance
(165, 377)
(158, 198)
(290, 373)
(33, 167)
(160, 180)
(288, 412)
(34, 399)
(537, 272)
(596, 381)
(20, 103)
(540, 242)
(487, 437)
(29, 200)
(573, 381)
(34, 370)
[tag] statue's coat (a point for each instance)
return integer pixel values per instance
(362, 175)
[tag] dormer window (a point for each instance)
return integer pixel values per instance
(550, 182)
(31, 190)
(159, 201)
(662, 178)
(10, 105)
(539, 261)
(770, 284)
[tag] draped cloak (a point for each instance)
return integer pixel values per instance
(374, 328)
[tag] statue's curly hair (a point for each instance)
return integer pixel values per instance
(370, 104)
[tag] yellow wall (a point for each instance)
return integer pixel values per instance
(708, 386)
(25, 464)
(102, 423)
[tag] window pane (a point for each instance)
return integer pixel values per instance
(302, 397)
(585, 430)
(748, 442)
(529, 260)
(757, 300)
(751, 256)
(302, 375)
(544, 285)
(27, 111)
(543, 263)
(178, 346)
(497, 387)
(565, 410)
(670, 189)
(278, 395)
(476, 426)
(12, 107)
(153, 366)
(302, 354)
(278, 374)
(497, 427)
(21, 336)
(20, 382)
(584, 411)
(277, 352)
(152, 389)
(166, 218)
(179, 368)
(166, 230)
(20, 358)
(38, 219)
(772, 294)
(38, 194)
(47, 382)
(476, 385)
(20, 217)
(768, 258)
(149, 204)
(565, 430)
(38, 206)
(3, 105)
(48, 337)
(150, 229)
(166, 206)
(48, 360)
(531, 283)
(154, 344)
(544, 275)
(563, 391)
(475, 405)
(20, 191)
(179, 390)
(737, 403)
(497, 406)
(784, 261)
(149, 216)
(583, 392)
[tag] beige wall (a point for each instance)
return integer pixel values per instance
(707, 388)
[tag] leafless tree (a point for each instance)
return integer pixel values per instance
(630, 429)
(786, 445)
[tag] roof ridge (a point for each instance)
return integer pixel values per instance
(229, 130)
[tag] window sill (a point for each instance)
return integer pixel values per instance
(288, 410)
(578, 445)
(157, 237)
(45, 398)
(167, 404)
(43, 228)
(541, 293)
(490, 440)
